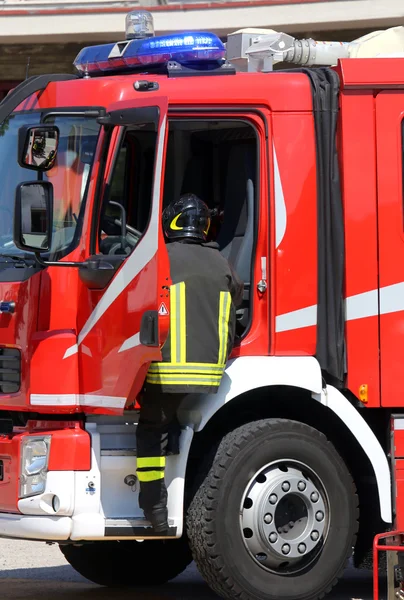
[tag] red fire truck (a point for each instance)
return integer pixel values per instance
(289, 468)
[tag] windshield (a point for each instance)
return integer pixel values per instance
(69, 177)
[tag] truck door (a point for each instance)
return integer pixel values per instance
(120, 329)
(389, 131)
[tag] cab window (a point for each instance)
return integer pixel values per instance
(128, 197)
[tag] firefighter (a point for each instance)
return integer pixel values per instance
(203, 299)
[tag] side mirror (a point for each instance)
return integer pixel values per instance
(33, 216)
(38, 147)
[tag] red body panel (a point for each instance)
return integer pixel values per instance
(282, 92)
(376, 74)
(295, 285)
(18, 330)
(10, 454)
(358, 171)
(70, 446)
(70, 450)
(389, 128)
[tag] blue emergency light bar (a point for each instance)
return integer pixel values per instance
(195, 49)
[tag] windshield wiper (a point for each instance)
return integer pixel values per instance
(17, 260)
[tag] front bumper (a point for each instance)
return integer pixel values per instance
(35, 528)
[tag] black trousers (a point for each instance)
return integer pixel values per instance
(157, 436)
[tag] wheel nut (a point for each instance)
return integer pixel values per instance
(301, 486)
(273, 498)
(302, 548)
(291, 524)
(268, 519)
(319, 515)
(314, 497)
(273, 537)
(285, 486)
(285, 549)
(314, 536)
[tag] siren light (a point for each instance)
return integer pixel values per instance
(142, 49)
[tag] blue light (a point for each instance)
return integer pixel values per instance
(184, 48)
(7, 307)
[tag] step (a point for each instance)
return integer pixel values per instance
(135, 527)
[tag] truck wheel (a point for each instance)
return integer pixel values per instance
(276, 516)
(129, 563)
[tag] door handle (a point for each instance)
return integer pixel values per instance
(149, 331)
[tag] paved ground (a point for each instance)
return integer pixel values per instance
(38, 572)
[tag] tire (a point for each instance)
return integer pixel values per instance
(129, 563)
(228, 518)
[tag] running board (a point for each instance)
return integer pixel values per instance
(118, 452)
(125, 452)
(139, 528)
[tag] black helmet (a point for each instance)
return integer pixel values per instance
(186, 218)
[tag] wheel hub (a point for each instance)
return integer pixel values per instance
(284, 516)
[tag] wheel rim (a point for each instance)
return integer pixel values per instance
(284, 517)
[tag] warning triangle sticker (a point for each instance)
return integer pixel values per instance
(163, 310)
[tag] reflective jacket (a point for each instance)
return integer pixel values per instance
(203, 298)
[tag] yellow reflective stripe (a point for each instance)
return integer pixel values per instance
(183, 324)
(150, 475)
(182, 382)
(178, 323)
(186, 379)
(173, 321)
(207, 369)
(219, 325)
(186, 365)
(152, 461)
(200, 376)
(223, 325)
(178, 371)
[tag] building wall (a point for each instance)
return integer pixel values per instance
(77, 20)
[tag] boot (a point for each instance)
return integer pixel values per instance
(153, 501)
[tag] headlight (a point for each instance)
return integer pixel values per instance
(34, 465)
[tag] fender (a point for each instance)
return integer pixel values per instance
(247, 373)
(334, 400)
(250, 373)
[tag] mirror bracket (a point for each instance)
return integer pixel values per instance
(51, 263)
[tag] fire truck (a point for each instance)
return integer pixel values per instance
(296, 462)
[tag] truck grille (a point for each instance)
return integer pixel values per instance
(10, 370)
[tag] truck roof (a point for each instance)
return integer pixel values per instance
(280, 91)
